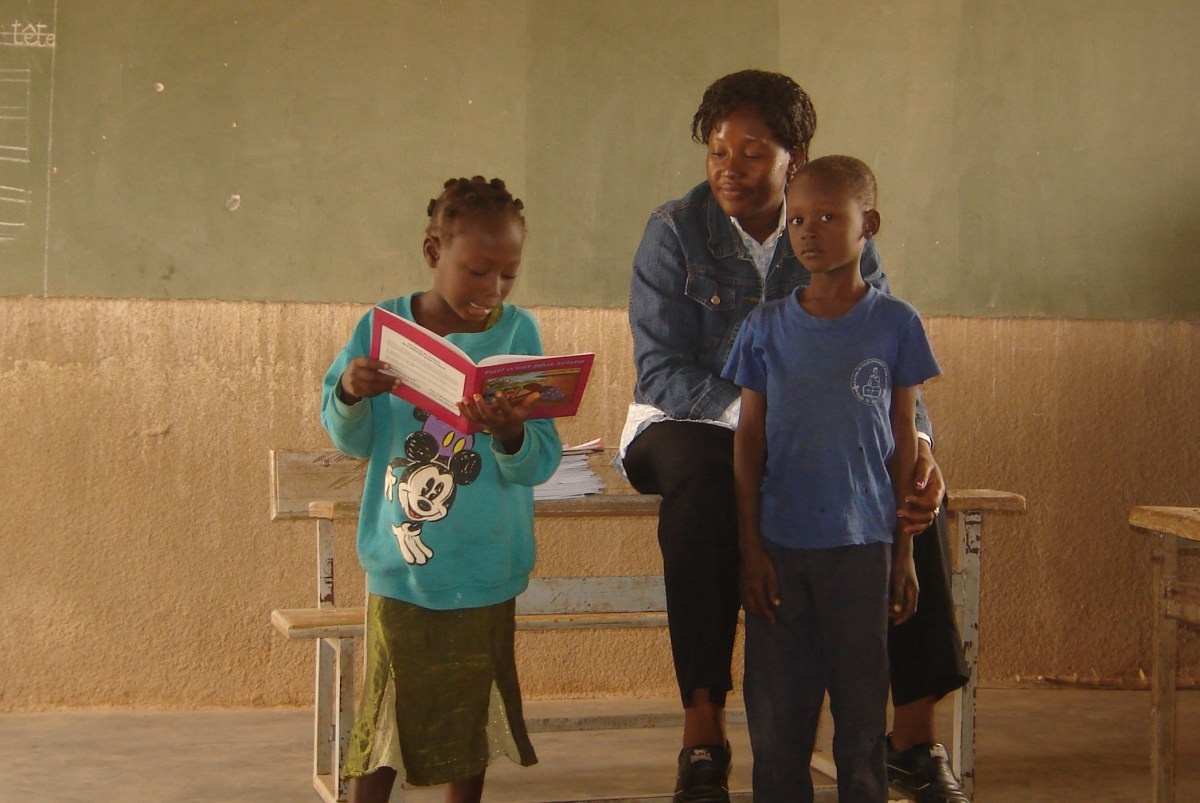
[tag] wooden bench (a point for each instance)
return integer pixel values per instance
(326, 486)
(1175, 530)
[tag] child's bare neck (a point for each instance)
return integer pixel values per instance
(833, 294)
(431, 311)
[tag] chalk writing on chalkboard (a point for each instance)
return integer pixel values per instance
(26, 34)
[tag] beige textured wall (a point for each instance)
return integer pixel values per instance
(140, 567)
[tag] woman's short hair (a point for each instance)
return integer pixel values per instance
(784, 106)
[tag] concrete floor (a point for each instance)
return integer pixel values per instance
(1034, 746)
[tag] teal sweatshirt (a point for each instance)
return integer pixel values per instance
(447, 518)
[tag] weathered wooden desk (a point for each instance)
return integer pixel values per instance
(325, 485)
(1175, 530)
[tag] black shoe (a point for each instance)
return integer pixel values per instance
(922, 773)
(703, 775)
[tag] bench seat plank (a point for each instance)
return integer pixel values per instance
(341, 623)
(632, 504)
(602, 504)
(548, 603)
(1183, 522)
(983, 499)
(305, 623)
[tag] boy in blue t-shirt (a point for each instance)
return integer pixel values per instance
(824, 455)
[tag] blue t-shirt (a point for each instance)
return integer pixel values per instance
(828, 383)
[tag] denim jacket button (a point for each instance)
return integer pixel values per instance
(716, 299)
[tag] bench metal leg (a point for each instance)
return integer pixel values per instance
(333, 717)
(970, 530)
(345, 709)
(324, 705)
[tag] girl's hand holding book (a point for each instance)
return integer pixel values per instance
(504, 419)
(363, 379)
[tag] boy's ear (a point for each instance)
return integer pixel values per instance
(432, 250)
(871, 223)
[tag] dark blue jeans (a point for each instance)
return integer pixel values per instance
(830, 634)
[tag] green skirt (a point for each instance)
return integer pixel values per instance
(440, 696)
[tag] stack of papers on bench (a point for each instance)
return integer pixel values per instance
(573, 476)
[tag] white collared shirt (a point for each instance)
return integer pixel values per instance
(762, 252)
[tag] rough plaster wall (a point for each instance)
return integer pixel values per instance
(1086, 419)
(141, 568)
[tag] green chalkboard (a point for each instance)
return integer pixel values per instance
(287, 150)
(1033, 160)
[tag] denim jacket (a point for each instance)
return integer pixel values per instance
(693, 284)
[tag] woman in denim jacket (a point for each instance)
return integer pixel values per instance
(705, 261)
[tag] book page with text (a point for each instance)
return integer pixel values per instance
(420, 370)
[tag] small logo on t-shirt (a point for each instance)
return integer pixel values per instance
(870, 381)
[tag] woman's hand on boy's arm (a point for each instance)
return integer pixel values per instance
(364, 378)
(506, 421)
(921, 507)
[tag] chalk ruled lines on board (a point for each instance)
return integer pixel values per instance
(15, 197)
(16, 87)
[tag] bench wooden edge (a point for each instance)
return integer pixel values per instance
(306, 623)
(335, 511)
(644, 505)
(601, 504)
(338, 623)
(637, 505)
(984, 499)
(591, 621)
(1180, 521)
(606, 505)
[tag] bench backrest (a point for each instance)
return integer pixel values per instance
(325, 485)
(299, 478)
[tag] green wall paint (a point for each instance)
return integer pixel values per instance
(1035, 158)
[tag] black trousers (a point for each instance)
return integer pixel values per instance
(690, 465)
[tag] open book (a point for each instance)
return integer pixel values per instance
(435, 374)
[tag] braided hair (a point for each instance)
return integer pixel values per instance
(462, 197)
(785, 107)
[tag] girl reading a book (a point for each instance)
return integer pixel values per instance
(446, 529)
